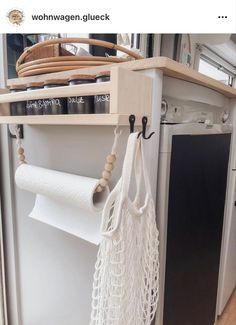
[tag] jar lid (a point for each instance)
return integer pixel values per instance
(56, 82)
(34, 84)
(17, 86)
(82, 76)
(103, 74)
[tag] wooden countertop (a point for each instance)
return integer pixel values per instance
(169, 67)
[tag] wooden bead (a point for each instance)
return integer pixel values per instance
(21, 157)
(20, 151)
(99, 189)
(106, 174)
(103, 182)
(111, 159)
(108, 167)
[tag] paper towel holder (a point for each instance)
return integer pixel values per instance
(110, 159)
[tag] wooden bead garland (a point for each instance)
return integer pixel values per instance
(111, 159)
(109, 165)
(99, 189)
(21, 157)
(106, 174)
(20, 149)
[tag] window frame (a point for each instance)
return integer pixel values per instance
(218, 62)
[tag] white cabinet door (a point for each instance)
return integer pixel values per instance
(227, 277)
(227, 281)
(228, 262)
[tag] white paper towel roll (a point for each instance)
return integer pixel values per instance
(63, 200)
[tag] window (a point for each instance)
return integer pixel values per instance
(16, 44)
(216, 67)
(215, 72)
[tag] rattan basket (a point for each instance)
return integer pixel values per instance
(25, 68)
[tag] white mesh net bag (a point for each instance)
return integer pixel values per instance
(126, 279)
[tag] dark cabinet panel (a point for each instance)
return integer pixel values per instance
(198, 176)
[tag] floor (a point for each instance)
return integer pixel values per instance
(229, 315)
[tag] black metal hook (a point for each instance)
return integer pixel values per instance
(131, 122)
(143, 132)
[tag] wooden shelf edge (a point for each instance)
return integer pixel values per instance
(83, 119)
(169, 67)
(3, 91)
(179, 71)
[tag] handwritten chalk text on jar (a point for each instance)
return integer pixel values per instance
(43, 103)
(102, 98)
(76, 100)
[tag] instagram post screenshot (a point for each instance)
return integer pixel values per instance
(118, 162)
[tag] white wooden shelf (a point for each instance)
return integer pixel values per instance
(74, 119)
(130, 93)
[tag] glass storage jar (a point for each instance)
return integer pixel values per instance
(102, 102)
(18, 108)
(54, 106)
(81, 104)
(34, 106)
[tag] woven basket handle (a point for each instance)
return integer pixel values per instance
(76, 40)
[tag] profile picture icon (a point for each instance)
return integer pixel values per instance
(15, 17)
